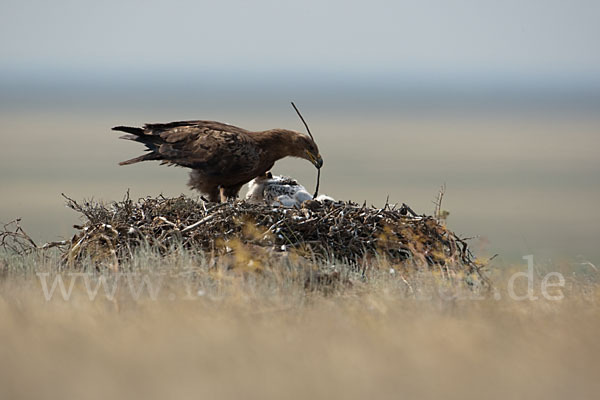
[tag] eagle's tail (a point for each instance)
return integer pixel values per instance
(138, 135)
(129, 129)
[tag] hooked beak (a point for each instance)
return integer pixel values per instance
(316, 161)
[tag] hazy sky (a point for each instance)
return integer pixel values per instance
(483, 39)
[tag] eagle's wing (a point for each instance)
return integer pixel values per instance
(215, 148)
(219, 126)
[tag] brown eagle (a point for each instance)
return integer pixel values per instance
(222, 157)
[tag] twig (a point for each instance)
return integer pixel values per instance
(408, 209)
(55, 244)
(166, 221)
(438, 202)
(205, 219)
(196, 224)
(303, 121)
(318, 181)
(311, 136)
(15, 239)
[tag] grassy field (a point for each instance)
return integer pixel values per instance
(182, 327)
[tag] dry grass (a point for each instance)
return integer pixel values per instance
(214, 332)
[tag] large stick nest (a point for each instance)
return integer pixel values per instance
(354, 233)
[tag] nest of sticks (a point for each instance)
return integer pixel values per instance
(345, 231)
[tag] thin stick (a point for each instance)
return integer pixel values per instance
(311, 136)
(205, 219)
(303, 121)
(438, 202)
(196, 224)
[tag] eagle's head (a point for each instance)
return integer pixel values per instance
(306, 148)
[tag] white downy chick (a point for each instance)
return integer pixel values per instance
(323, 198)
(279, 190)
(256, 189)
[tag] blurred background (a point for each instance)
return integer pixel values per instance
(498, 100)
